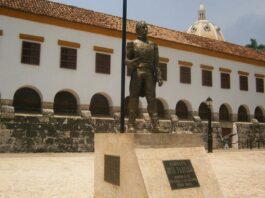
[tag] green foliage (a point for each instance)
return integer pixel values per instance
(254, 45)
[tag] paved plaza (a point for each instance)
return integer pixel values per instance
(240, 174)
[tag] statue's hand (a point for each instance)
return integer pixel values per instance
(160, 83)
(131, 62)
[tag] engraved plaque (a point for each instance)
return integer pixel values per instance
(112, 169)
(180, 174)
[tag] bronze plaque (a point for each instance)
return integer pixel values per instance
(112, 169)
(180, 174)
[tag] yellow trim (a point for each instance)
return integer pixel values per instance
(163, 60)
(31, 37)
(130, 36)
(225, 70)
(207, 67)
(1, 33)
(259, 75)
(68, 44)
(185, 63)
(103, 49)
(242, 73)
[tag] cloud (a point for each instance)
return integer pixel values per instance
(245, 28)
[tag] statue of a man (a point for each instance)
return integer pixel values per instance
(143, 59)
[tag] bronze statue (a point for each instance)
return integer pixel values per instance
(143, 59)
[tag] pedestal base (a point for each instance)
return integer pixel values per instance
(152, 165)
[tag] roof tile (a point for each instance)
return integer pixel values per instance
(89, 17)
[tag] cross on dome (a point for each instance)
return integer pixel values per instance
(202, 11)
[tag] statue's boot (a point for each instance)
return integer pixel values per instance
(152, 110)
(133, 109)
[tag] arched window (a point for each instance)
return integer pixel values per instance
(65, 103)
(259, 114)
(160, 109)
(204, 111)
(27, 100)
(224, 113)
(242, 115)
(99, 105)
(182, 110)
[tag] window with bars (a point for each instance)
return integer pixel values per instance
(102, 63)
(207, 78)
(99, 105)
(185, 75)
(182, 110)
(260, 85)
(68, 58)
(30, 53)
(259, 114)
(27, 100)
(224, 113)
(242, 115)
(225, 80)
(243, 82)
(163, 69)
(65, 103)
(204, 111)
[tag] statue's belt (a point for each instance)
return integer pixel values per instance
(144, 66)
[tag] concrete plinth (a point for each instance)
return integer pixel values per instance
(141, 172)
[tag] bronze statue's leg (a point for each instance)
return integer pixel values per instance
(135, 88)
(133, 109)
(151, 102)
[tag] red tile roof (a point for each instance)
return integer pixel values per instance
(88, 17)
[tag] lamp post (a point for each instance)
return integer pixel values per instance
(209, 102)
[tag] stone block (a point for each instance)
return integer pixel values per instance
(47, 112)
(197, 119)
(117, 116)
(174, 118)
(141, 171)
(86, 114)
(7, 111)
(146, 117)
(254, 121)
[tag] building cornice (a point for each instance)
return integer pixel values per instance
(31, 37)
(103, 49)
(225, 70)
(185, 63)
(69, 44)
(163, 60)
(243, 73)
(207, 67)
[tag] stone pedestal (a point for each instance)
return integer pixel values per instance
(152, 165)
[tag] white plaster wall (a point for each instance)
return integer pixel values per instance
(48, 78)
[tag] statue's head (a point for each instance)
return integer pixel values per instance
(141, 28)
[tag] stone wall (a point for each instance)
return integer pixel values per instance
(46, 134)
(251, 135)
(49, 133)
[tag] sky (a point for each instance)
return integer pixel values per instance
(240, 20)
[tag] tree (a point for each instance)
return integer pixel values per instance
(254, 45)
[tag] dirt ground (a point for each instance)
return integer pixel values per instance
(240, 174)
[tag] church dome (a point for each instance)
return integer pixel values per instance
(205, 28)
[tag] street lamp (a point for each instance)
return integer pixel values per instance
(209, 102)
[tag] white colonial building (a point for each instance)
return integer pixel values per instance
(64, 58)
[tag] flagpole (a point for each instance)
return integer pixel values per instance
(124, 19)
